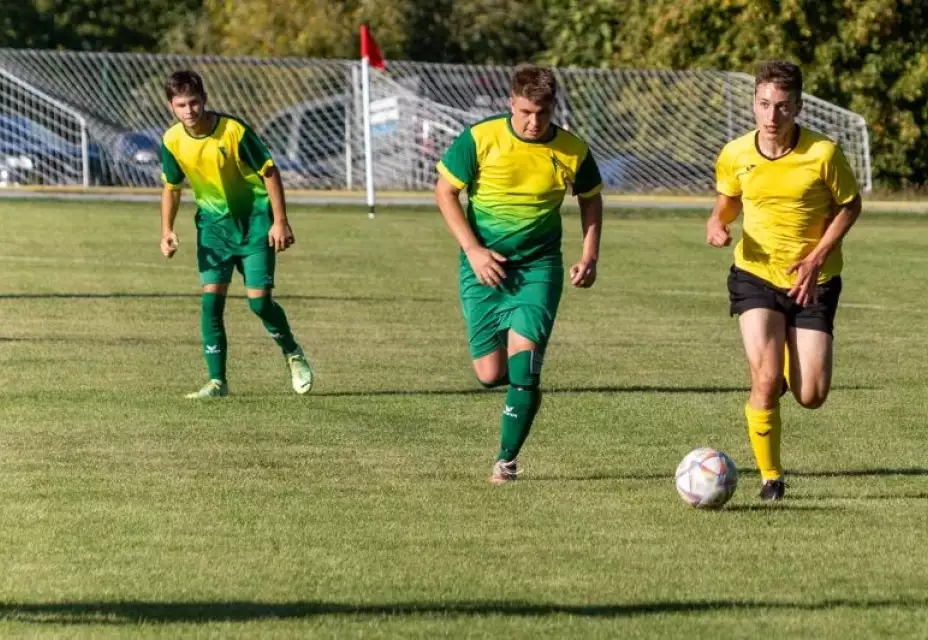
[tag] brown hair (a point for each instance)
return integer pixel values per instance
(784, 75)
(538, 84)
(184, 83)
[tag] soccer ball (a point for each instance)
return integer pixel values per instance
(706, 478)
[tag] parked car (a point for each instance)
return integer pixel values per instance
(33, 153)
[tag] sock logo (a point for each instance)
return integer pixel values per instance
(277, 336)
(213, 349)
(763, 433)
(510, 412)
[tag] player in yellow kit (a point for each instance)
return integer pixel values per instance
(517, 168)
(799, 198)
(241, 222)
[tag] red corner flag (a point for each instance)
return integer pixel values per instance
(369, 49)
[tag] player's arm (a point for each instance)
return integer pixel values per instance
(486, 263)
(838, 176)
(727, 201)
(588, 187)
(173, 178)
(281, 235)
(458, 167)
(726, 210)
(254, 154)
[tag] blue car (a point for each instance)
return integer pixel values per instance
(33, 153)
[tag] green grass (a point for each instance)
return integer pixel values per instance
(363, 509)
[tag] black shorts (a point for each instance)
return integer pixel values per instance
(747, 291)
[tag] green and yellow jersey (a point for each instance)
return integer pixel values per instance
(224, 168)
(787, 202)
(516, 187)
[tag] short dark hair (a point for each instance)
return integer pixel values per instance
(784, 75)
(184, 83)
(538, 84)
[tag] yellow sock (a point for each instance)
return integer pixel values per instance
(786, 366)
(764, 428)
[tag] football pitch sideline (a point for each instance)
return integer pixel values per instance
(363, 509)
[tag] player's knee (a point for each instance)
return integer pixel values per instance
(764, 384)
(811, 399)
(491, 382)
(261, 306)
(525, 369)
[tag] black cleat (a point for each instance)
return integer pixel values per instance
(773, 490)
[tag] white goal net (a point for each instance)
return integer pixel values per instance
(651, 131)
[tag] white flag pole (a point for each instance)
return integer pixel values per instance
(368, 153)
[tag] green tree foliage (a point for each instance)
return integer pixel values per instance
(475, 31)
(870, 56)
(92, 25)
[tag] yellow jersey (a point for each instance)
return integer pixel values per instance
(225, 168)
(787, 202)
(516, 186)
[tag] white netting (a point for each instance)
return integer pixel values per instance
(650, 130)
(42, 141)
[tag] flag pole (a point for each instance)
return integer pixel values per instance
(368, 153)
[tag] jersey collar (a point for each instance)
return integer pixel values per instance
(552, 132)
(795, 143)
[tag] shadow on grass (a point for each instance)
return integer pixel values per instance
(555, 391)
(750, 473)
(179, 296)
(134, 612)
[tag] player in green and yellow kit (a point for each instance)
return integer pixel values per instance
(241, 222)
(517, 168)
(799, 198)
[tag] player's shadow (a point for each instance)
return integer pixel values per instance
(554, 391)
(566, 390)
(143, 612)
(197, 295)
(749, 473)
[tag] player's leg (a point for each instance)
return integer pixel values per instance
(492, 369)
(763, 332)
(530, 322)
(481, 308)
(258, 270)
(810, 343)
(215, 274)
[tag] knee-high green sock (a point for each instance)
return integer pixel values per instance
(275, 321)
(522, 402)
(213, 332)
(764, 428)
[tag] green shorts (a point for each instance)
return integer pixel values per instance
(526, 303)
(229, 244)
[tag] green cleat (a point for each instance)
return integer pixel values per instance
(212, 389)
(301, 374)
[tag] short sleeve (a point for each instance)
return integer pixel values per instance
(726, 181)
(459, 164)
(253, 153)
(588, 181)
(171, 173)
(838, 175)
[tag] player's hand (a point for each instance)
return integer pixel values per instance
(169, 244)
(280, 237)
(487, 266)
(805, 290)
(717, 234)
(583, 274)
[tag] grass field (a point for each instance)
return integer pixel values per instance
(363, 508)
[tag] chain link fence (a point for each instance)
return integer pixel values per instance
(651, 131)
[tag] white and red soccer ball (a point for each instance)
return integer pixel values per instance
(706, 478)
